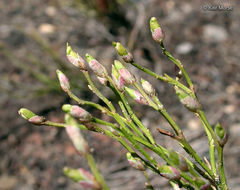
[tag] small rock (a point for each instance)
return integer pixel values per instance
(7, 182)
(51, 11)
(234, 130)
(193, 124)
(184, 48)
(213, 33)
(46, 28)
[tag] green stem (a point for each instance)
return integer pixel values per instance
(211, 149)
(148, 185)
(162, 78)
(179, 65)
(96, 172)
(223, 179)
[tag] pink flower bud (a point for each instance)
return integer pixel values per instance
(77, 112)
(158, 35)
(96, 67)
(124, 73)
(156, 30)
(75, 59)
(169, 172)
(147, 87)
(37, 120)
(81, 176)
(117, 79)
(77, 139)
(136, 96)
(64, 83)
(135, 162)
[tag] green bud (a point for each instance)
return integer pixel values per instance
(219, 130)
(26, 113)
(96, 67)
(120, 48)
(118, 65)
(154, 24)
(70, 52)
(137, 96)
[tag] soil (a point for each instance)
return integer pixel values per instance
(33, 35)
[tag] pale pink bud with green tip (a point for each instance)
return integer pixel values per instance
(77, 139)
(77, 112)
(126, 56)
(81, 176)
(102, 80)
(156, 30)
(31, 117)
(75, 59)
(135, 162)
(96, 67)
(128, 77)
(169, 172)
(188, 101)
(64, 83)
(137, 96)
(117, 79)
(147, 87)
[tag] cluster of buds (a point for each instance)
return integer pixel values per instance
(137, 96)
(169, 172)
(31, 117)
(75, 59)
(77, 112)
(63, 80)
(156, 30)
(121, 50)
(84, 178)
(135, 162)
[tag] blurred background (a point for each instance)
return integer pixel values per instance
(33, 36)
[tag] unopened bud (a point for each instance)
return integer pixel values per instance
(169, 172)
(102, 80)
(81, 176)
(137, 96)
(75, 59)
(221, 134)
(120, 48)
(64, 83)
(188, 101)
(31, 117)
(77, 112)
(147, 87)
(128, 77)
(26, 113)
(135, 162)
(37, 120)
(77, 139)
(156, 30)
(128, 58)
(117, 79)
(96, 67)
